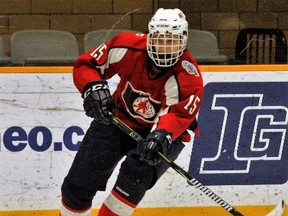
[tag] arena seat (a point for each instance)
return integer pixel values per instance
(94, 38)
(4, 60)
(43, 47)
(203, 45)
(261, 46)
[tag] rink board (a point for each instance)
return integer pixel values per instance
(42, 124)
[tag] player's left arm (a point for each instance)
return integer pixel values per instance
(183, 97)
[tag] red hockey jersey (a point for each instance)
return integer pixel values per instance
(144, 100)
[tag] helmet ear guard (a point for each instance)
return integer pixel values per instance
(167, 38)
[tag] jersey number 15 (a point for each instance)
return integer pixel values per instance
(192, 104)
(99, 51)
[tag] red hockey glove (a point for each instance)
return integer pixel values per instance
(158, 140)
(98, 103)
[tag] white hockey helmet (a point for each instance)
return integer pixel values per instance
(167, 38)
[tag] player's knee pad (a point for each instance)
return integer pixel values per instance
(75, 197)
(134, 179)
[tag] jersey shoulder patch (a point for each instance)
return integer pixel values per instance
(190, 68)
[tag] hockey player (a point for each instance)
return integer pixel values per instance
(158, 95)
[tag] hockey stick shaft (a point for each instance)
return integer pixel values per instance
(191, 180)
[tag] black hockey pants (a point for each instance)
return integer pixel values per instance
(101, 150)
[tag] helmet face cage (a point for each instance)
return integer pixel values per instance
(167, 38)
(165, 49)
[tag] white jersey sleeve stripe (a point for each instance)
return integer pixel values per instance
(115, 55)
(171, 91)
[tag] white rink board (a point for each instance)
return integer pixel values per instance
(31, 179)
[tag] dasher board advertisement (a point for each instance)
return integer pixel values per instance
(242, 153)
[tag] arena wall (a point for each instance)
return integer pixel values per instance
(42, 124)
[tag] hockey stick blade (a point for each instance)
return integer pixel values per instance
(179, 170)
(278, 210)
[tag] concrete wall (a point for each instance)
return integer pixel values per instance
(224, 18)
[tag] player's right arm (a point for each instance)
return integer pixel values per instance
(87, 67)
(99, 63)
(89, 76)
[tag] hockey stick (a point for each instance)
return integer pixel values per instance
(277, 211)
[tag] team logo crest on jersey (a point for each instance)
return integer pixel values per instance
(190, 68)
(140, 104)
(143, 107)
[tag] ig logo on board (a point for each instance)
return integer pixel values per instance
(243, 134)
